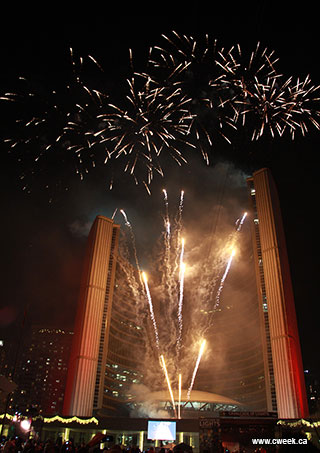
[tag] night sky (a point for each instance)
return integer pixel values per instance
(44, 231)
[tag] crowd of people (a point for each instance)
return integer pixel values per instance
(19, 445)
(33, 445)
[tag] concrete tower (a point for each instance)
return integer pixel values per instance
(283, 363)
(88, 352)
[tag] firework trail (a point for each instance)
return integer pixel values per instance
(180, 306)
(167, 237)
(178, 232)
(202, 346)
(173, 282)
(166, 218)
(240, 221)
(132, 282)
(238, 224)
(156, 334)
(125, 218)
(172, 261)
(166, 265)
(181, 205)
(163, 363)
(167, 334)
(182, 269)
(213, 284)
(181, 253)
(217, 301)
(133, 239)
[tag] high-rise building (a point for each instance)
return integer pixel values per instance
(283, 367)
(313, 390)
(41, 375)
(85, 380)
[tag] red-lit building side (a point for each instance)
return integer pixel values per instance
(283, 362)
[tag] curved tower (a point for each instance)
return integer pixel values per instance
(125, 355)
(283, 362)
(236, 366)
(84, 388)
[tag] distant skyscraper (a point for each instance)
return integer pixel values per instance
(41, 377)
(89, 348)
(282, 356)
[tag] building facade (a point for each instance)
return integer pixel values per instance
(85, 380)
(285, 384)
(236, 365)
(125, 349)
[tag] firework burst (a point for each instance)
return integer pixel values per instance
(56, 128)
(262, 99)
(230, 87)
(155, 121)
(191, 92)
(302, 107)
(192, 65)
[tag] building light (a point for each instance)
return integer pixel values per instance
(70, 420)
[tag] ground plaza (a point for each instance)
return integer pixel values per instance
(202, 434)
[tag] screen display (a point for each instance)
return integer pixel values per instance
(161, 430)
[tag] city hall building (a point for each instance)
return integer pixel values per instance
(262, 376)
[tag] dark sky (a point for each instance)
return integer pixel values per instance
(43, 243)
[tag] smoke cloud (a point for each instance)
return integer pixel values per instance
(219, 300)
